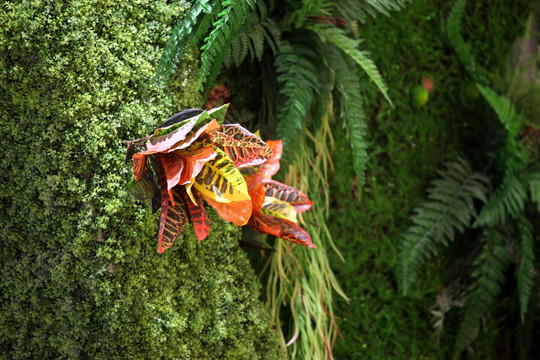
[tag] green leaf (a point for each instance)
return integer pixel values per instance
(141, 190)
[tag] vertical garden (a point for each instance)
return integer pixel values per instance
(410, 130)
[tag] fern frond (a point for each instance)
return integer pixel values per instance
(504, 109)
(489, 274)
(533, 180)
(228, 25)
(463, 50)
(298, 76)
(258, 31)
(450, 208)
(351, 110)
(200, 17)
(507, 201)
(525, 273)
(349, 46)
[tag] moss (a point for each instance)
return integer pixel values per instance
(80, 274)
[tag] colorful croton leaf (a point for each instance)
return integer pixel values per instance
(276, 205)
(194, 157)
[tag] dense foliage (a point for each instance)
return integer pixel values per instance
(504, 223)
(408, 145)
(80, 274)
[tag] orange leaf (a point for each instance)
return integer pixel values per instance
(256, 193)
(237, 212)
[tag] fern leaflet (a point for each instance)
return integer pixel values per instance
(299, 81)
(349, 46)
(182, 37)
(229, 23)
(463, 50)
(507, 200)
(259, 30)
(504, 109)
(525, 271)
(489, 274)
(358, 10)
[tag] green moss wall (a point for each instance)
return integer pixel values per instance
(80, 275)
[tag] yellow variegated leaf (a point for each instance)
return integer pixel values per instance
(278, 208)
(221, 181)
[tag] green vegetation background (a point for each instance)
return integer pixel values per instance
(80, 275)
(407, 146)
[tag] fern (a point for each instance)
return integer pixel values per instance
(506, 112)
(435, 222)
(259, 30)
(351, 109)
(360, 10)
(507, 201)
(229, 23)
(533, 180)
(463, 50)
(489, 275)
(200, 16)
(349, 46)
(299, 80)
(525, 271)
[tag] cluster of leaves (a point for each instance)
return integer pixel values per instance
(227, 166)
(290, 37)
(503, 225)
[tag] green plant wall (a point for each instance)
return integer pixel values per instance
(80, 275)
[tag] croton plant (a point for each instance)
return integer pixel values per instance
(193, 157)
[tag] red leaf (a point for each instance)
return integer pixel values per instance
(198, 215)
(281, 228)
(287, 193)
(173, 218)
(242, 147)
(172, 167)
(180, 167)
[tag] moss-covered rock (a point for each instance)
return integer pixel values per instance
(80, 274)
